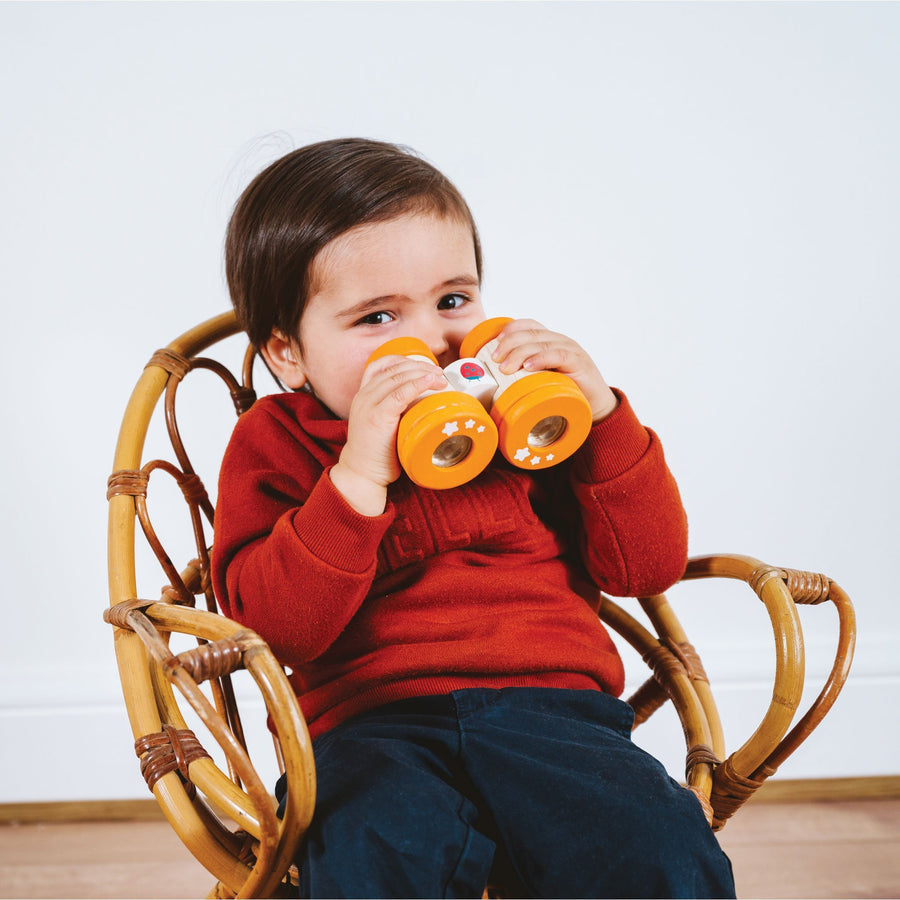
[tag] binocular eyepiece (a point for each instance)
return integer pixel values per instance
(447, 437)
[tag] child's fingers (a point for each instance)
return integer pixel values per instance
(547, 356)
(396, 368)
(527, 344)
(398, 380)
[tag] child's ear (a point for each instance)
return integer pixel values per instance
(282, 356)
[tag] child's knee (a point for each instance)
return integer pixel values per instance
(678, 854)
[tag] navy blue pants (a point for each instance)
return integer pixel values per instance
(544, 787)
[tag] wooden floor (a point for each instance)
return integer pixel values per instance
(825, 849)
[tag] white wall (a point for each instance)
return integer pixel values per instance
(706, 194)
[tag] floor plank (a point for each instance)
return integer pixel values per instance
(98, 860)
(847, 849)
(788, 850)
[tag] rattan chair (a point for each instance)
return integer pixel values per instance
(221, 808)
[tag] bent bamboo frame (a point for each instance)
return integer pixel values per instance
(148, 672)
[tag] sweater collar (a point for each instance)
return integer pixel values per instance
(317, 420)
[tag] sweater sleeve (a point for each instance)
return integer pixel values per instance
(634, 528)
(291, 559)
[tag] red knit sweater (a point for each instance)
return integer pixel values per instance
(484, 585)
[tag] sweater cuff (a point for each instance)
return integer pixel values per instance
(335, 532)
(613, 445)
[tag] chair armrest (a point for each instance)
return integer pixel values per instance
(723, 783)
(781, 590)
(144, 629)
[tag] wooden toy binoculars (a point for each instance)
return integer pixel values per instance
(447, 437)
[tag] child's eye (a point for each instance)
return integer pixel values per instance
(376, 318)
(452, 301)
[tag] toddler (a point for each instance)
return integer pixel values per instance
(459, 687)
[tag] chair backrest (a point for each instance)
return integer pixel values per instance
(223, 811)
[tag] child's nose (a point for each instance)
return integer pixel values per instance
(438, 341)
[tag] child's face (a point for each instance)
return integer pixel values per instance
(413, 276)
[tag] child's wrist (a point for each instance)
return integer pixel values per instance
(603, 406)
(367, 497)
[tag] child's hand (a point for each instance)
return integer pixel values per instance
(526, 344)
(368, 462)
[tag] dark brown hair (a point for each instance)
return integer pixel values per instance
(306, 199)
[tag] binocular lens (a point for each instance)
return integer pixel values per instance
(547, 431)
(452, 451)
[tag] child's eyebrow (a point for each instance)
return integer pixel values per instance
(460, 281)
(373, 304)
